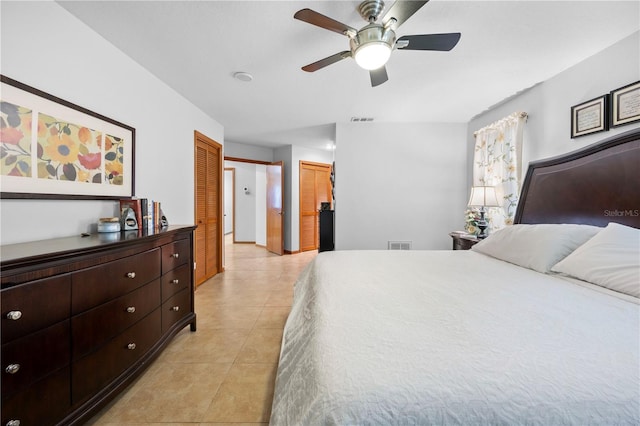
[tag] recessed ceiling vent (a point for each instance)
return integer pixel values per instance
(361, 119)
(399, 245)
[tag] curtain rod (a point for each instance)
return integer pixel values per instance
(520, 114)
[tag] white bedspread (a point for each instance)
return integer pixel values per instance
(453, 337)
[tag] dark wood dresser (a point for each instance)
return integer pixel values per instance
(83, 316)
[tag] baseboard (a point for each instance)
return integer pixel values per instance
(291, 252)
(261, 246)
(244, 242)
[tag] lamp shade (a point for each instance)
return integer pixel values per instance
(483, 196)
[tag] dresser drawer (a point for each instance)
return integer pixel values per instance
(92, 328)
(175, 254)
(91, 373)
(174, 309)
(37, 304)
(34, 356)
(43, 404)
(175, 280)
(94, 286)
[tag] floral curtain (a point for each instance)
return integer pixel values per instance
(498, 162)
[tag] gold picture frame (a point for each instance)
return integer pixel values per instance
(51, 148)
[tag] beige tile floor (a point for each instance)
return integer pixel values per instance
(224, 373)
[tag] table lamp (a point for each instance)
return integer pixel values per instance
(483, 196)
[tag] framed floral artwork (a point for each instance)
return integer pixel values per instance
(51, 148)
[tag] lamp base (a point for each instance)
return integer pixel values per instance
(482, 225)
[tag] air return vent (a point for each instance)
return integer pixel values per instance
(399, 245)
(361, 119)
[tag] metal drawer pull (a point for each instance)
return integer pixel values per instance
(131, 346)
(175, 308)
(13, 423)
(131, 274)
(12, 368)
(14, 315)
(175, 281)
(175, 255)
(131, 309)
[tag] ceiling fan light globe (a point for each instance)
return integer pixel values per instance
(372, 55)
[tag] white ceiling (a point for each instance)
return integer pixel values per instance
(196, 46)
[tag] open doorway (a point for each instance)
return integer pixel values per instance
(250, 217)
(229, 203)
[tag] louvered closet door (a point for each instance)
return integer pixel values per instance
(213, 193)
(307, 209)
(315, 187)
(201, 213)
(208, 235)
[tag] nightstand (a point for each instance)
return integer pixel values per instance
(463, 241)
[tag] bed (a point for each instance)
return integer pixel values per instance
(538, 324)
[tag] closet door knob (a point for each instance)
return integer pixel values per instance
(175, 308)
(12, 368)
(131, 275)
(14, 315)
(175, 281)
(175, 255)
(131, 346)
(13, 423)
(131, 309)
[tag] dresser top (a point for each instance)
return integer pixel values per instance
(62, 247)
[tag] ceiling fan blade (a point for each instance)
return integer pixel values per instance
(442, 42)
(315, 18)
(378, 76)
(327, 61)
(401, 11)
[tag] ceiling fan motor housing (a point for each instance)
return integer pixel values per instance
(371, 9)
(372, 37)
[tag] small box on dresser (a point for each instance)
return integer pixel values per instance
(82, 317)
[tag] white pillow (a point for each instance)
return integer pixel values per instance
(536, 247)
(611, 259)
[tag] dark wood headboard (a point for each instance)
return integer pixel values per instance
(595, 185)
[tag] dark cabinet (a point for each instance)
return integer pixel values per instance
(326, 230)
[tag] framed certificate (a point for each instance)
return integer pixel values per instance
(589, 117)
(625, 105)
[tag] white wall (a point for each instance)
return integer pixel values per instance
(399, 182)
(261, 205)
(228, 200)
(547, 132)
(248, 152)
(250, 209)
(245, 208)
(46, 47)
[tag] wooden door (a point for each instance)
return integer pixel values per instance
(315, 188)
(275, 212)
(208, 208)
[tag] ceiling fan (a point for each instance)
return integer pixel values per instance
(372, 44)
